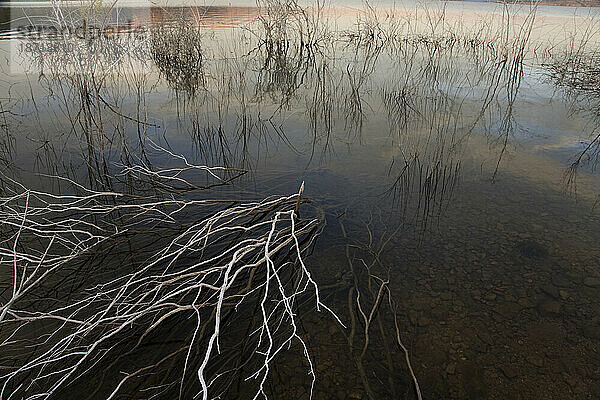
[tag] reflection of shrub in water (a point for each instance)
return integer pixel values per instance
(576, 71)
(400, 106)
(6, 139)
(283, 70)
(177, 53)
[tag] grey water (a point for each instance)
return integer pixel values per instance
(467, 183)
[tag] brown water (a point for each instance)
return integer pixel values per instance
(435, 165)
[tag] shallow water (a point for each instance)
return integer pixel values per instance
(433, 166)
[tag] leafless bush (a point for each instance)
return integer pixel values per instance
(96, 275)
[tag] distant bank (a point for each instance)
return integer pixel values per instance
(569, 3)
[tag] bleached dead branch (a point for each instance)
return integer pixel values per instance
(96, 274)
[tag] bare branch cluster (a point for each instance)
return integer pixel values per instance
(96, 275)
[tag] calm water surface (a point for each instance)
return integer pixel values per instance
(434, 163)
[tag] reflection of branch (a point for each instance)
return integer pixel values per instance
(577, 72)
(514, 77)
(426, 188)
(570, 175)
(137, 121)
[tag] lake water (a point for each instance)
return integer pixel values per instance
(448, 152)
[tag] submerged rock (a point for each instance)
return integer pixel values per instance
(561, 281)
(548, 333)
(450, 369)
(535, 360)
(563, 294)
(532, 249)
(591, 281)
(591, 331)
(474, 378)
(509, 309)
(509, 370)
(550, 291)
(548, 307)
